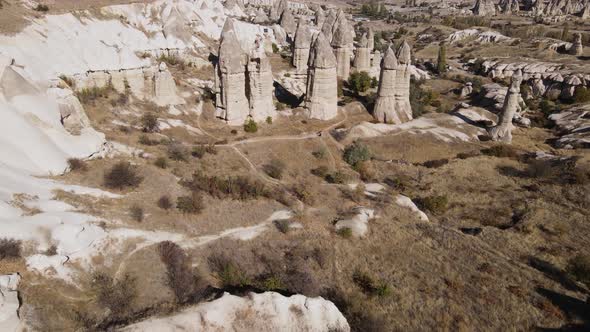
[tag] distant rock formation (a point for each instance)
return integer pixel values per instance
(560, 7)
(301, 48)
(288, 23)
(502, 132)
(261, 17)
(165, 87)
(362, 59)
(321, 96)
(328, 27)
(231, 102)
(320, 17)
(371, 39)
(509, 6)
(390, 106)
(238, 99)
(342, 43)
(484, 8)
(276, 11)
(577, 47)
(402, 83)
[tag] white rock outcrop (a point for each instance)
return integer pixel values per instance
(386, 110)
(362, 59)
(577, 47)
(321, 98)
(301, 48)
(165, 87)
(342, 43)
(402, 82)
(358, 223)
(268, 311)
(231, 102)
(502, 132)
(261, 84)
(9, 303)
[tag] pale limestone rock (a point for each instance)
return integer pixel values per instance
(328, 26)
(261, 17)
(165, 87)
(577, 47)
(320, 17)
(509, 6)
(484, 8)
(261, 84)
(402, 83)
(288, 23)
(502, 132)
(301, 48)
(321, 99)
(136, 81)
(466, 90)
(342, 40)
(9, 303)
(99, 79)
(232, 104)
(362, 59)
(376, 62)
(118, 80)
(388, 108)
(585, 14)
(276, 11)
(72, 114)
(371, 39)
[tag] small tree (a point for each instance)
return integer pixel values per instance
(250, 126)
(359, 82)
(441, 64)
(192, 204)
(165, 203)
(122, 175)
(149, 122)
(356, 153)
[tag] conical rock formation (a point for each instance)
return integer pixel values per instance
(321, 94)
(301, 48)
(502, 132)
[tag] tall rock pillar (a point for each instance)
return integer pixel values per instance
(502, 132)
(321, 98)
(342, 40)
(402, 83)
(260, 84)
(362, 59)
(301, 48)
(386, 110)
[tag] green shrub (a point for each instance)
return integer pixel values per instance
(192, 204)
(441, 64)
(581, 95)
(283, 225)
(359, 82)
(269, 120)
(122, 175)
(275, 169)
(374, 82)
(41, 8)
(90, 95)
(250, 126)
(10, 248)
(336, 177)
(275, 48)
(433, 204)
(272, 283)
(356, 152)
(345, 232)
(171, 60)
(578, 268)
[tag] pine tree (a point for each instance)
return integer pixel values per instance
(441, 65)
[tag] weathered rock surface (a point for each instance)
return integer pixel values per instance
(288, 23)
(574, 127)
(503, 130)
(386, 110)
(342, 43)
(9, 302)
(358, 223)
(165, 87)
(362, 59)
(320, 17)
(231, 103)
(277, 10)
(301, 48)
(265, 312)
(483, 37)
(261, 84)
(484, 8)
(577, 48)
(509, 6)
(321, 94)
(261, 17)
(402, 82)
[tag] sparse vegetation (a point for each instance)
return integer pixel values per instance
(502, 151)
(578, 267)
(283, 225)
(115, 295)
(368, 284)
(149, 123)
(178, 152)
(184, 281)
(77, 165)
(165, 202)
(359, 82)
(275, 169)
(136, 213)
(356, 153)
(41, 8)
(161, 162)
(345, 232)
(10, 248)
(433, 204)
(192, 204)
(122, 175)
(250, 126)
(237, 187)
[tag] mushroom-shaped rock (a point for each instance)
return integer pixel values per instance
(362, 60)
(321, 94)
(503, 130)
(342, 43)
(387, 109)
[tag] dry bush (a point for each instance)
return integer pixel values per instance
(275, 169)
(178, 152)
(115, 295)
(435, 163)
(184, 281)
(336, 177)
(161, 162)
(200, 150)
(76, 164)
(283, 225)
(304, 192)
(149, 123)
(433, 204)
(238, 187)
(369, 285)
(356, 152)
(165, 202)
(502, 151)
(321, 171)
(578, 268)
(345, 232)
(366, 170)
(10, 248)
(122, 175)
(146, 140)
(192, 204)
(137, 213)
